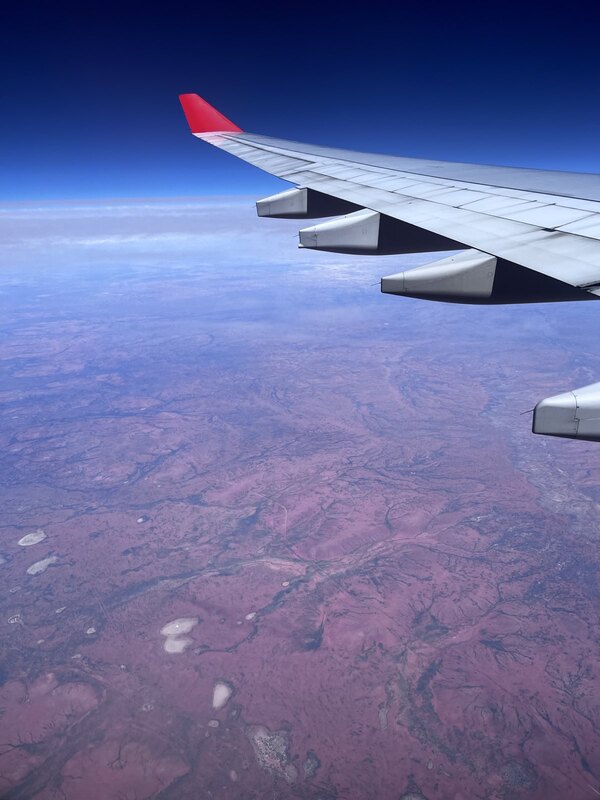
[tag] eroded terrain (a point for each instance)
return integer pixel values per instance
(291, 539)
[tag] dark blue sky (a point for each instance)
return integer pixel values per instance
(90, 103)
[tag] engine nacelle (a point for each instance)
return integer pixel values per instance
(466, 276)
(572, 415)
(302, 204)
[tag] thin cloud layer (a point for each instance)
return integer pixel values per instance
(223, 231)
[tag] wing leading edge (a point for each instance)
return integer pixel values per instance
(525, 235)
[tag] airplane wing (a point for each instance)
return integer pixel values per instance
(523, 235)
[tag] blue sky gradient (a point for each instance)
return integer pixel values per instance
(91, 95)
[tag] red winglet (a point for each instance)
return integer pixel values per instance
(202, 117)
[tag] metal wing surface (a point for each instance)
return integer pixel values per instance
(547, 222)
(522, 235)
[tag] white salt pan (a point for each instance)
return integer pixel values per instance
(179, 626)
(175, 632)
(32, 538)
(41, 566)
(221, 694)
(176, 644)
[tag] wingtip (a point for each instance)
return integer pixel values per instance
(204, 118)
